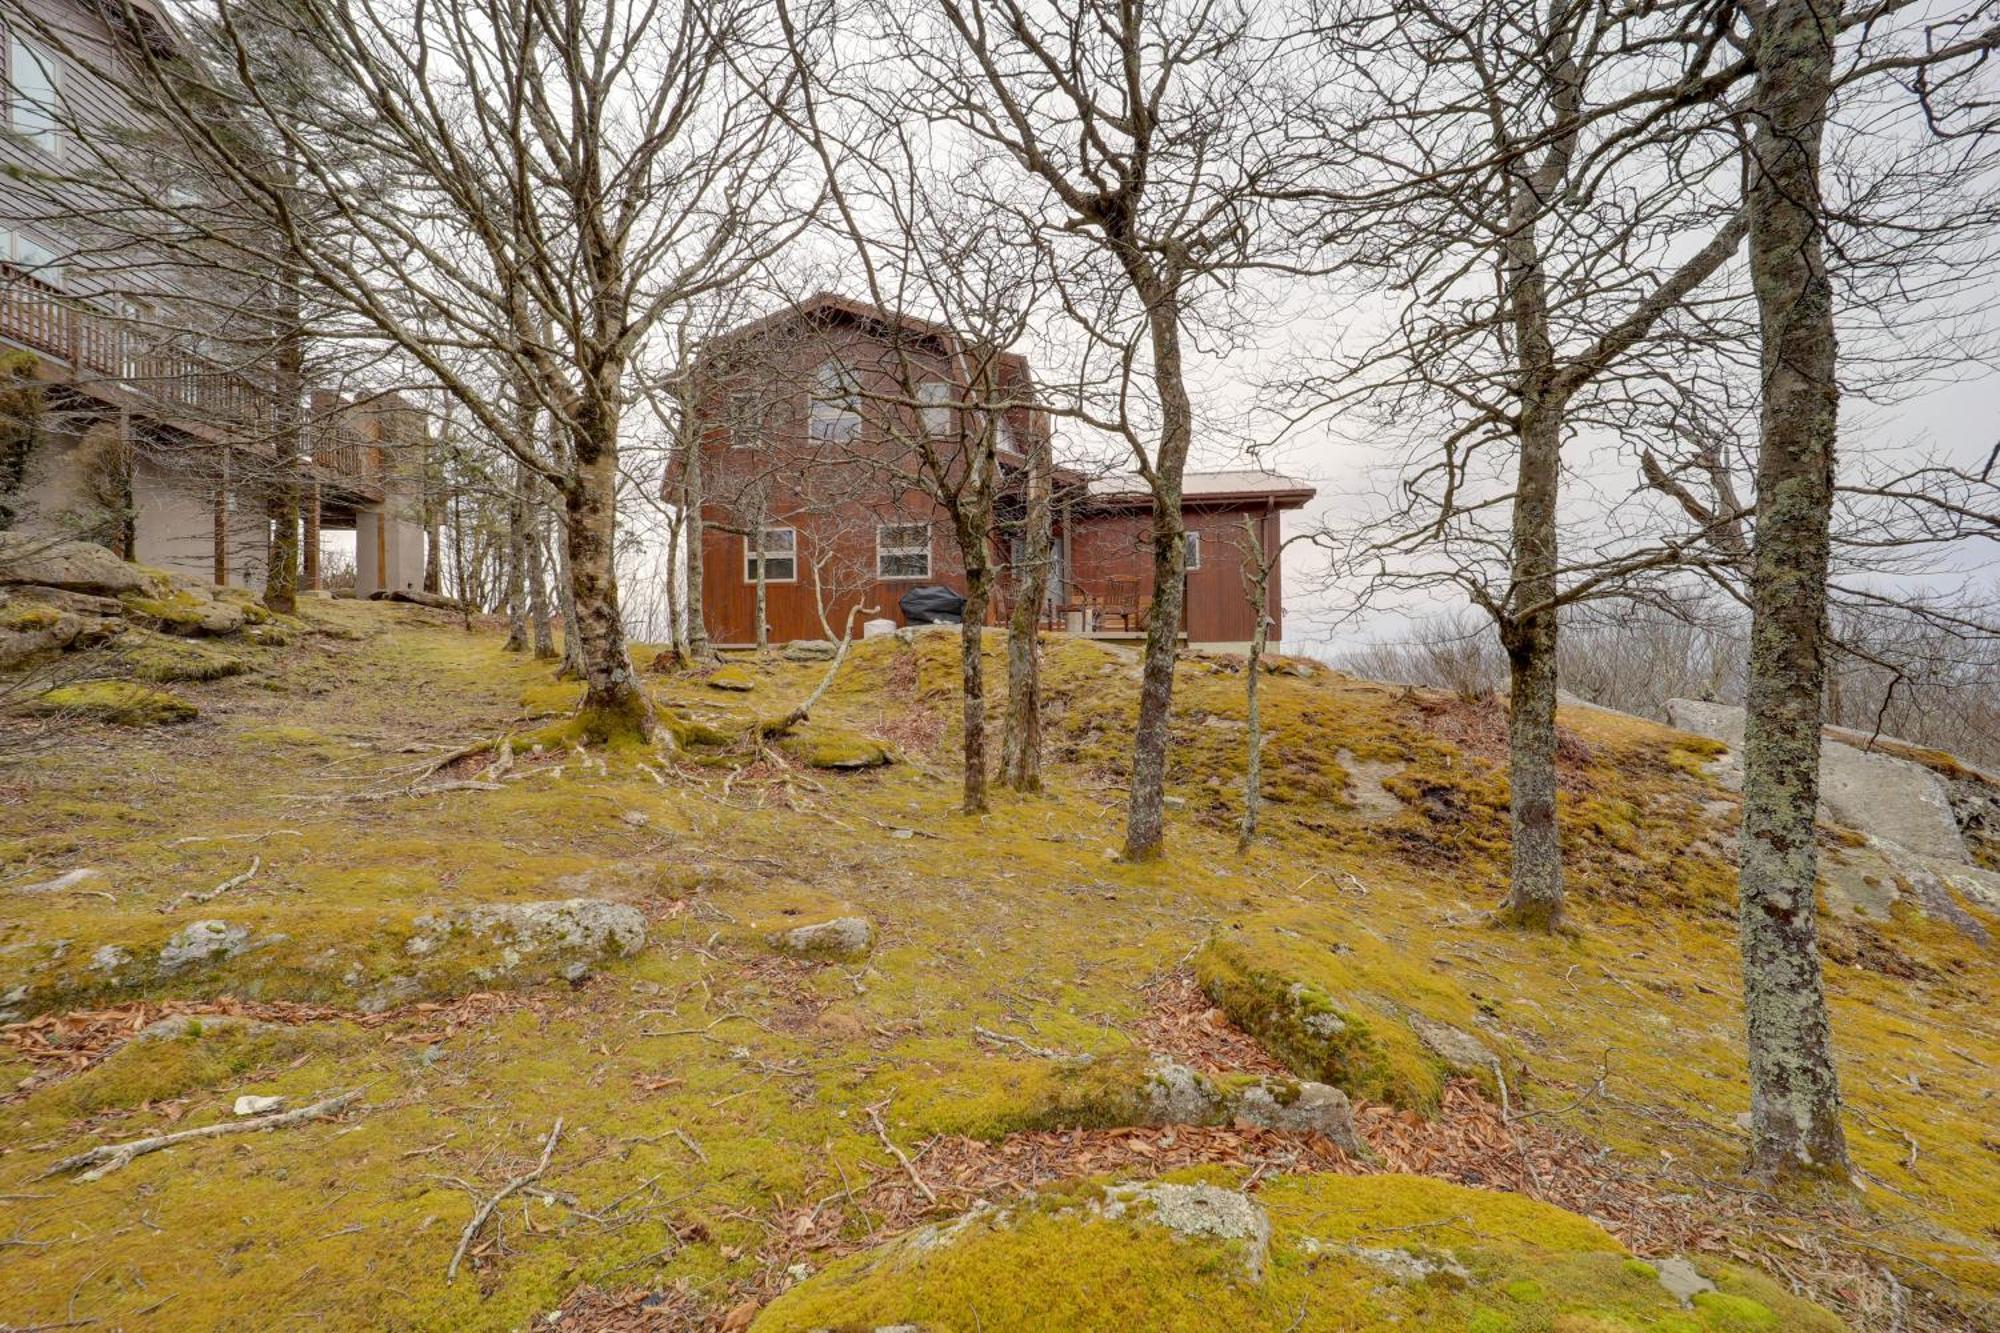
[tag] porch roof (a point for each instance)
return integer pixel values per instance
(1233, 486)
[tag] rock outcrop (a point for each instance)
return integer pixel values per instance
(69, 566)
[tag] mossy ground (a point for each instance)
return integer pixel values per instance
(1499, 1264)
(1022, 922)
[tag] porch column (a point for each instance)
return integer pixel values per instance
(222, 519)
(311, 507)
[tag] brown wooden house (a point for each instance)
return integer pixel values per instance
(807, 422)
(140, 401)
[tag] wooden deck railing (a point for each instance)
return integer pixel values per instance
(103, 350)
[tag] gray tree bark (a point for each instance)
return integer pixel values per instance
(1257, 574)
(538, 575)
(1021, 741)
(698, 646)
(516, 555)
(614, 703)
(1794, 1091)
(1145, 815)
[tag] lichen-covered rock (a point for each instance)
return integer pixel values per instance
(1174, 1094)
(202, 942)
(187, 611)
(69, 565)
(1200, 1211)
(731, 678)
(810, 650)
(1465, 1053)
(1329, 1036)
(570, 928)
(843, 938)
(80, 877)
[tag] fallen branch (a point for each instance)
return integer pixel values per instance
(108, 1157)
(485, 1210)
(875, 1118)
(468, 784)
(256, 864)
(773, 728)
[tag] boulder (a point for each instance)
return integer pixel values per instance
(580, 929)
(70, 566)
(1177, 1095)
(202, 942)
(810, 650)
(1878, 794)
(82, 603)
(78, 878)
(845, 938)
(416, 597)
(732, 678)
(1459, 1049)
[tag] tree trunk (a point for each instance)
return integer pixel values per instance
(676, 636)
(538, 575)
(972, 672)
(1021, 744)
(572, 648)
(1794, 1092)
(614, 703)
(691, 501)
(281, 572)
(1259, 578)
(1145, 815)
(1535, 894)
(516, 556)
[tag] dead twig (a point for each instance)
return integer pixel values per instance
(106, 1158)
(485, 1210)
(909, 1167)
(256, 864)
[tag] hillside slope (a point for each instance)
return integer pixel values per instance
(564, 970)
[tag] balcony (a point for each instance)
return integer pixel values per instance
(104, 358)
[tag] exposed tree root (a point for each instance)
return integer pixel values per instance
(106, 1158)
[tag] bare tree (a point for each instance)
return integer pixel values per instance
(540, 184)
(1527, 177)
(1147, 145)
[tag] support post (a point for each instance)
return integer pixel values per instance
(222, 520)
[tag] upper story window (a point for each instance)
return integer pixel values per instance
(746, 426)
(32, 92)
(32, 255)
(903, 551)
(836, 403)
(935, 395)
(775, 551)
(1193, 540)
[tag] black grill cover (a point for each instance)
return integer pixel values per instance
(932, 605)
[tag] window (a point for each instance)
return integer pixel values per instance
(777, 550)
(30, 255)
(745, 426)
(31, 82)
(1193, 540)
(903, 551)
(836, 403)
(936, 398)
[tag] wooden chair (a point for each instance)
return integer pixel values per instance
(1121, 599)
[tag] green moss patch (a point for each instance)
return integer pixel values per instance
(164, 659)
(1305, 1252)
(115, 701)
(826, 747)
